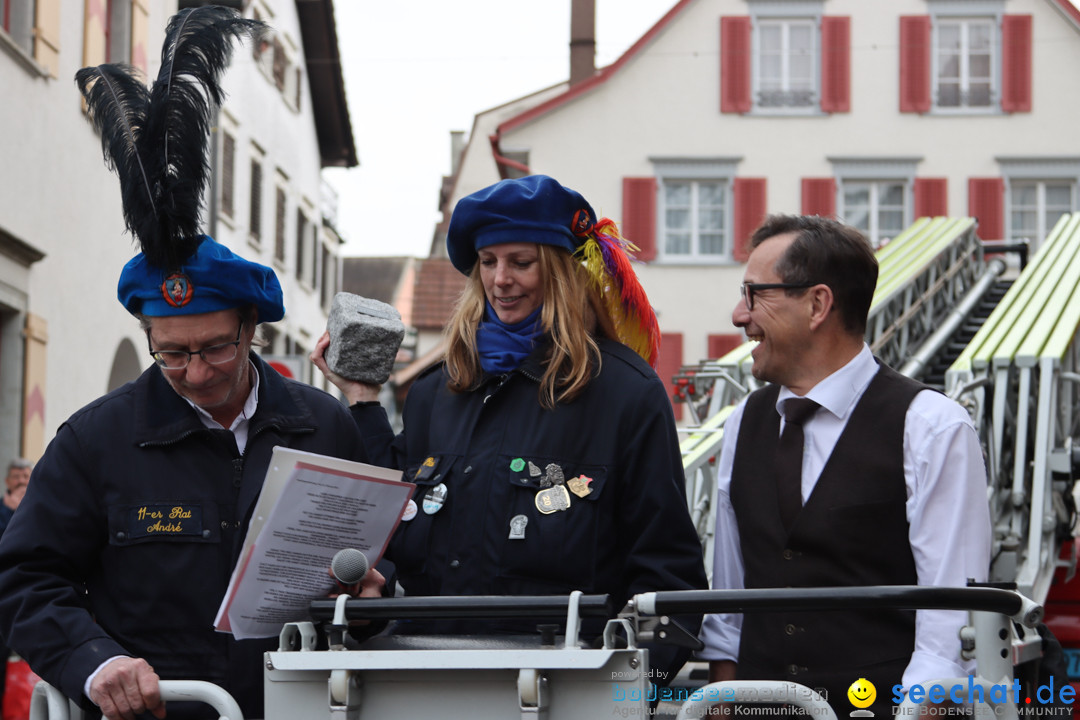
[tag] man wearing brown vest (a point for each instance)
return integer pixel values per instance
(889, 487)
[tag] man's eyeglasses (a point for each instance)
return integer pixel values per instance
(213, 355)
(748, 290)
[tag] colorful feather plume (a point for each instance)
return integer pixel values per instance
(157, 139)
(606, 256)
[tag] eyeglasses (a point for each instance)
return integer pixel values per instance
(213, 355)
(748, 289)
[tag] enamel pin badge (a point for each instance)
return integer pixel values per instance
(580, 485)
(552, 499)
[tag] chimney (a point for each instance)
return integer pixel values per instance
(582, 40)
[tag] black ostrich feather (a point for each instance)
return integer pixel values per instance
(119, 103)
(165, 134)
(198, 47)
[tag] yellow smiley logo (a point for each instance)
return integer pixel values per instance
(862, 693)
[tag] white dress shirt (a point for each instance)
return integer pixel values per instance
(947, 510)
(242, 423)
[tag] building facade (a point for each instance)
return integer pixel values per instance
(64, 338)
(876, 111)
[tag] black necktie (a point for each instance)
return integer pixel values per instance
(790, 457)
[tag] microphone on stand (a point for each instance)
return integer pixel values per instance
(349, 567)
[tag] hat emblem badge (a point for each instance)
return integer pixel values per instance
(581, 224)
(177, 290)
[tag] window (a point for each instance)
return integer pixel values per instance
(279, 223)
(1036, 205)
(279, 63)
(314, 275)
(17, 19)
(966, 57)
(298, 84)
(1033, 193)
(276, 56)
(114, 31)
(329, 277)
(255, 218)
(875, 195)
(786, 71)
(301, 238)
(691, 209)
(307, 250)
(695, 219)
(228, 172)
(708, 212)
(876, 207)
(963, 60)
(30, 33)
(786, 57)
(118, 32)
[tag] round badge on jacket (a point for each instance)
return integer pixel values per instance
(434, 499)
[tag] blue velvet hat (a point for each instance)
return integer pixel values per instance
(213, 278)
(533, 209)
(537, 209)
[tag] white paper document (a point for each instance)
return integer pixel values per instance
(310, 507)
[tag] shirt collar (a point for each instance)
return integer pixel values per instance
(839, 392)
(250, 405)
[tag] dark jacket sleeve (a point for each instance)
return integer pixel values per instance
(43, 613)
(380, 445)
(664, 550)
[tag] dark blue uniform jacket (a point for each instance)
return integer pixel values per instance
(132, 524)
(494, 448)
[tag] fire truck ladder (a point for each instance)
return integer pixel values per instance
(1018, 377)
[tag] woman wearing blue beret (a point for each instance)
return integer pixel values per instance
(543, 447)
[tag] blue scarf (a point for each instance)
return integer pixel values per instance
(502, 347)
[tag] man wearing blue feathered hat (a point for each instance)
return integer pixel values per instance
(113, 570)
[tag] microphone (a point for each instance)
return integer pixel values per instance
(349, 566)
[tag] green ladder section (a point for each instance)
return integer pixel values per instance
(1026, 353)
(1024, 321)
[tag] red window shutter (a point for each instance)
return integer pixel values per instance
(836, 64)
(1016, 63)
(639, 215)
(735, 65)
(986, 203)
(931, 197)
(720, 345)
(749, 201)
(915, 63)
(669, 364)
(819, 196)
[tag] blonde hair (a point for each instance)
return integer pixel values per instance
(571, 315)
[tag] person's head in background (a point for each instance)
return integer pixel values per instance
(18, 477)
(539, 262)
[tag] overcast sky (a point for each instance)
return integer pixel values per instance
(417, 69)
